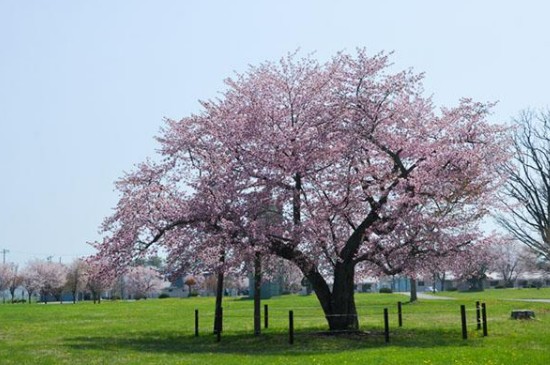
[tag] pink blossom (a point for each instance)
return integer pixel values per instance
(335, 167)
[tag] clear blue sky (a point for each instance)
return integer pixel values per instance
(84, 85)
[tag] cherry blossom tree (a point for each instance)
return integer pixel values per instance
(473, 266)
(54, 275)
(287, 274)
(8, 277)
(46, 277)
(142, 281)
(511, 259)
(31, 279)
(99, 276)
(15, 281)
(335, 167)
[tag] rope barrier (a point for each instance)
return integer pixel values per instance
(405, 313)
(368, 315)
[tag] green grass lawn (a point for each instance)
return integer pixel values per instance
(162, 332)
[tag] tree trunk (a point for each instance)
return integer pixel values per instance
(414, 293)
(218, 305)
(257, 294)
(343, 315)
(338, 305)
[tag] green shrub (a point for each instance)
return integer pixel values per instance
(453, 288)
(386, 290)
(164, 296)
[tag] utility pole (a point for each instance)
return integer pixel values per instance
(4, 252)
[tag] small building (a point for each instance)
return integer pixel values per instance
(268, 289)
(533, 279)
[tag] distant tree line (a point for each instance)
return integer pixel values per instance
(50, 280)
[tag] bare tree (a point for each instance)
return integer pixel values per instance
(510, 261)
(527, 192)
(75, 281)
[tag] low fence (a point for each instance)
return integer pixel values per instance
(374, 316)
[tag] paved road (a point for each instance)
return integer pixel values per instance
(437, 297)
(529, 300)
(429, 296)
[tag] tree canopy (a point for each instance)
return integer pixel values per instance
(338, 167)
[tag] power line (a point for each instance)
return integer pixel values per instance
(46, 254)
(21, 256)
(4, 252)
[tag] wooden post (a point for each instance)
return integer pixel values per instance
(291, 327)
(399, 314)
(196, 323)
(266, 316)
(386, 326)
(478, 315)
(484, 318)
(463, 317)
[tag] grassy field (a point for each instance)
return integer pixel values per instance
(162, 332)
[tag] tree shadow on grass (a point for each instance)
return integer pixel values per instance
(269, 343)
